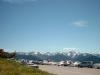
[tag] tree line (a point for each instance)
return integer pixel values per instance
(4, 54)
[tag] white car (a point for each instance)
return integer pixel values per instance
(61, 63)
(32, 65)
(75, 64)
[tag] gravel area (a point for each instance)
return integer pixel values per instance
(61, 70)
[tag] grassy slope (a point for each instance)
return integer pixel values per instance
(8, 67)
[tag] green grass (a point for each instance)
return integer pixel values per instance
(8, 67)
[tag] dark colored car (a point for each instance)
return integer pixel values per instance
(88, 64)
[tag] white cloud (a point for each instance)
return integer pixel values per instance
(18, 1)
(80, 23)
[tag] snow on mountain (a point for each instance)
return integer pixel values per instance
(59, 56)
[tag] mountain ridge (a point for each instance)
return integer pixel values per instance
(59, 56)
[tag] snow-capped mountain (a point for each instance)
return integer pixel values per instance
(58, 56)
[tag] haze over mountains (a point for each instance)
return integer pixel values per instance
(59, 56)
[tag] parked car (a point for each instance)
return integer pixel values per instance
(76, 64)
(33, 65)
(68, 63)
(30, 64)
(65, 63)
(88, 64)
(61, 63)
(96, 65)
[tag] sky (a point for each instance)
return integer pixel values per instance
(50, 25)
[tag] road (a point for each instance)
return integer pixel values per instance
(69, 70)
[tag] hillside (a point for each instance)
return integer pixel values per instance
(8, 67)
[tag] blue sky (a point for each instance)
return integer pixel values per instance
(49, 25)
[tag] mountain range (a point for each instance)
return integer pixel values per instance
(59, 56)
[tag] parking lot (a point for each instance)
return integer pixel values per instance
(62, 70)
